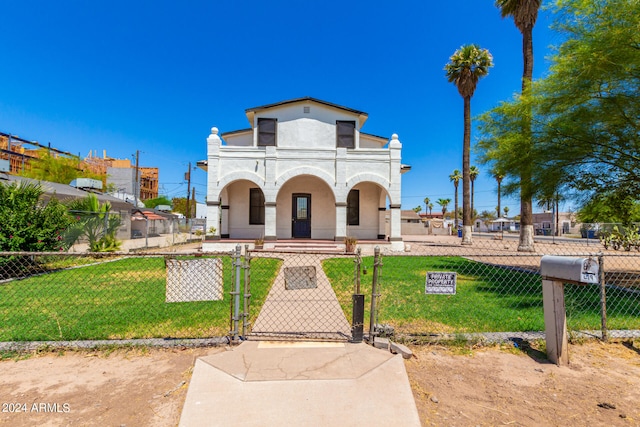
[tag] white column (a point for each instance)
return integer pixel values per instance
(213, 217)
(395, 225)
(270, 212)
(341, 221)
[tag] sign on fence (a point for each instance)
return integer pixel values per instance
(194, 280)
(440, 283)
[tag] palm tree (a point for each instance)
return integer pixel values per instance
(430, 206)
(426, 203)
(473, 174)
(499, 177)
(525, 14)
(455, 177)
(443, 203)
(467, 65)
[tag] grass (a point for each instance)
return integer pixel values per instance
(121, 299)
(488, 298)
(125, 298)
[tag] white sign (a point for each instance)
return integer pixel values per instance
(440, 283)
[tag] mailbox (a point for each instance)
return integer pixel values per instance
(569, 269)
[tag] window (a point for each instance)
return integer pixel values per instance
(353, 207)
(256, 206)
(267, 132)
(346, 134)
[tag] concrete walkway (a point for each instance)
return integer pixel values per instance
(301, 383)
(261, 383)
(309, 308)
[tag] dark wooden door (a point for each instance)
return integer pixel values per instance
(301, 216)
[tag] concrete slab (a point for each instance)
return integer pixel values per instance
(299, 383)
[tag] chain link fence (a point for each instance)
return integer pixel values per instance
(498, 290)
(65, 297)
(305, 295)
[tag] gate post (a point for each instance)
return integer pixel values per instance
(374, 296)
(236, 293)
(247, 290)
(357, 318)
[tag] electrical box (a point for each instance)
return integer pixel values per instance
(569, 269)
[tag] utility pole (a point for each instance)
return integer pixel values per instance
(136, 186)
(187, 176)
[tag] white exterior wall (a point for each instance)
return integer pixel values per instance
(305, 160)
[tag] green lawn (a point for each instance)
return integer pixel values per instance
(125, 298)
(117, 300)
(487, 299)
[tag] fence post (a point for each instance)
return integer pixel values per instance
(247, 290)
(603, 298)
(235, 317)
(357, 317)
(374, 296)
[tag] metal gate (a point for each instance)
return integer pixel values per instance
(294, 295)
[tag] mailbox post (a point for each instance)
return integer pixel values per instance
(556, 271)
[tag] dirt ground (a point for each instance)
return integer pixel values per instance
(453, 386)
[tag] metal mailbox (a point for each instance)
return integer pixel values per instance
(569, 269)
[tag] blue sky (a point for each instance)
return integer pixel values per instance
(155, 76)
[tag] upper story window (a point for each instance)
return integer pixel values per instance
(346, 134)
(267, 132)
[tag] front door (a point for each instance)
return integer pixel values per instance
(301, 216)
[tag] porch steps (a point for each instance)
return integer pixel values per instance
(305, 246)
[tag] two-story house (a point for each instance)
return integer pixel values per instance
(304, 170)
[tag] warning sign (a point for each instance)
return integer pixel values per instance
(440, 283)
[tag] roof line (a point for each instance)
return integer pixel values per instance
(307, 99)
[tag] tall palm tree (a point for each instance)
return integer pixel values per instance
(467, 65)
(455, 177)
(426, 203)
(473, 174)
(444, 203)
(525, 14)
(499, 177)
(430, 206)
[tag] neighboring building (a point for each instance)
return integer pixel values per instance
(304, 170)
(566, 223)
(411, 223)
(125, 177)
(17, 154)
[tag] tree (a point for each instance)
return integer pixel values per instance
(426, 203)
(95, 222)
(443, 203)
(180, 205)
(506, 211)
(46, 167)
(153, 203)
(473, 174)
(467, 65)
(455, 177)
(417, 209)
(27, 223)
(430, 206)
(584, 135)
(499, 176)
(524, 14)
(486, 217)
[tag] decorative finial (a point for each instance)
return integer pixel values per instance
(394, 136)
(214, 130)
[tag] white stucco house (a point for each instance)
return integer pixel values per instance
(303, 170)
